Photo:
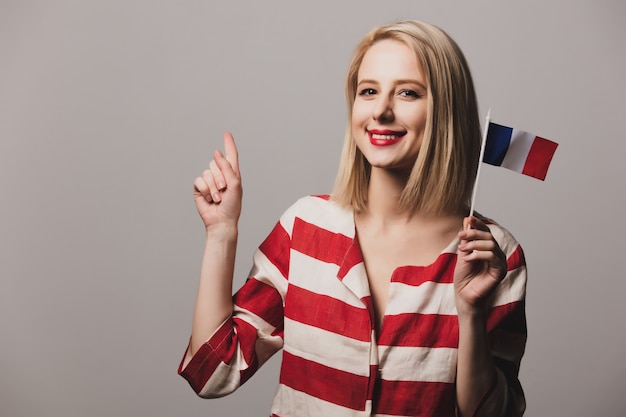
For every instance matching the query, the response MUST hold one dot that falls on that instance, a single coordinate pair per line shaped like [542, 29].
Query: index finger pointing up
[231, 152]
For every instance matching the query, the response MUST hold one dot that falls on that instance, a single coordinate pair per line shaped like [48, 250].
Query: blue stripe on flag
[498, 140]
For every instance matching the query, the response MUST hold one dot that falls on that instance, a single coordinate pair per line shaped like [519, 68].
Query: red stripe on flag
[426, 398]
[318, 243]
[420, 330]
[327, 313]
[261, 299]
[417, 275]
[326, 383]
[276, 248]
[539, 158]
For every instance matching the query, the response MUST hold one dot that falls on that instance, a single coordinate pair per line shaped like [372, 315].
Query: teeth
[385, 137]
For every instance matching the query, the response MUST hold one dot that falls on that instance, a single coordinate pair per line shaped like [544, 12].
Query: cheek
[420, 124]
[413, 116]
[359, 113]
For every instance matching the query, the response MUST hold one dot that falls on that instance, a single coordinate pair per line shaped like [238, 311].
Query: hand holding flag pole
[481, 264]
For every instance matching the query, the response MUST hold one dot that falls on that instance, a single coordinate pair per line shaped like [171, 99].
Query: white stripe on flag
[519, 148]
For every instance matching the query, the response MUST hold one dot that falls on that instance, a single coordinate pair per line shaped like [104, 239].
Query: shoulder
[502, 235]
[319, 210]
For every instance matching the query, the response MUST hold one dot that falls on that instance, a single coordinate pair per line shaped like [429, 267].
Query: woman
[385, 298]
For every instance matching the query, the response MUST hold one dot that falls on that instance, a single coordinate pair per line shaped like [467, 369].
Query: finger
[467, 223]
[214, 192]
[488, 258]
[474, 234]
[478, 245]
[231, 153]
[231, 177]
[218, 176]
[201, 190]
[473, 222]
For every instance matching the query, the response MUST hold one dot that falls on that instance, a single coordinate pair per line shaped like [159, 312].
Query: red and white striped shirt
[308, 294]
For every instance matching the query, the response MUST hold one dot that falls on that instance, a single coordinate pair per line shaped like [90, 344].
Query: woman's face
[389, 112]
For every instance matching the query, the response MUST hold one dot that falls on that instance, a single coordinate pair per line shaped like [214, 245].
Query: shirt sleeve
[253, 333]
[507, 329]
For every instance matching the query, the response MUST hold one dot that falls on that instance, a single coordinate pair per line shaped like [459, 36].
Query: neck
[383, 201]
[383, 195]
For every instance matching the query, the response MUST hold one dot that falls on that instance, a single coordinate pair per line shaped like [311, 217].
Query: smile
[384, 137]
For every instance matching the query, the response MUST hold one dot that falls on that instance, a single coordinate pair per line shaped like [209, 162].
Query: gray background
[110, 108]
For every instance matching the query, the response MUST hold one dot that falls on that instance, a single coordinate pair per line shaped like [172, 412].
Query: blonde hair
[442, 177]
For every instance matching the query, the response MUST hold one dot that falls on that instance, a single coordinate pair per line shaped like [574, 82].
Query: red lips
[385, 137]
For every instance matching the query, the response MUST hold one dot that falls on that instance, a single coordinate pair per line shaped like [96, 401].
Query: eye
[367, 92]
[408, 94]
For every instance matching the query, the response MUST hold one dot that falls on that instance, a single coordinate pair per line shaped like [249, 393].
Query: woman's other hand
[217, 192]
[481, 265]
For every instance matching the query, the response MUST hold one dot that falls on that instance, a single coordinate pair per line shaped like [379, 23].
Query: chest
[338, 293]
[329, 328]
[384, 257]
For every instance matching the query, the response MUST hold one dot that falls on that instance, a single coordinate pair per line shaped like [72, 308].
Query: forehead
[390, 59]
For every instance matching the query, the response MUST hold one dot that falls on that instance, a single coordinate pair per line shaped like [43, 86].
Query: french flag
[518, 150]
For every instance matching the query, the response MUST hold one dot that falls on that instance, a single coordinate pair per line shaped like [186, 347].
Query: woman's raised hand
[481, 265]
[217, 192]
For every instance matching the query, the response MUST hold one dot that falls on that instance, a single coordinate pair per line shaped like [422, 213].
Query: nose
[383, 110]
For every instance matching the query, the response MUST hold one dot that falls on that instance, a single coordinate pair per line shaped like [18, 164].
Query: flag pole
[480, 160]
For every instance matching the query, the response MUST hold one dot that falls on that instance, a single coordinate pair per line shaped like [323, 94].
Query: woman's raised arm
[217, 194]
